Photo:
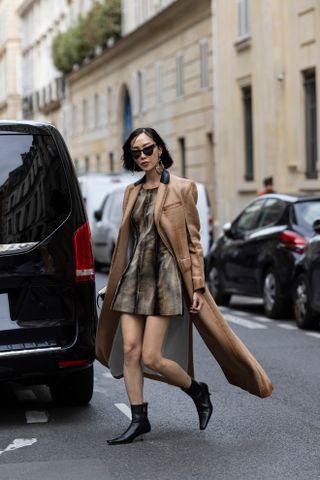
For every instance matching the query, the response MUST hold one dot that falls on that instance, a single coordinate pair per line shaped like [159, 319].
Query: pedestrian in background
[268, 186]
[156, 289]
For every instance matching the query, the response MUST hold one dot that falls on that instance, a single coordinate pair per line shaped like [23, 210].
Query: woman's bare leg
[155, 330]
[132, 327]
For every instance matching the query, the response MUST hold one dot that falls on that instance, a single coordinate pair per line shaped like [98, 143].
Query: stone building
[10, 61]
[158, 74]
[43, 87]
[266, 59]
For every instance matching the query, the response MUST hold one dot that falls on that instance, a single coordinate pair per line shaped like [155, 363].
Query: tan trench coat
[177, 221]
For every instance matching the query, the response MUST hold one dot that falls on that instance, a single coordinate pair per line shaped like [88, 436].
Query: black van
[47, 292]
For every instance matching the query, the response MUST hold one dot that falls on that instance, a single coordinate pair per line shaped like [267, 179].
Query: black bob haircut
[127, 160]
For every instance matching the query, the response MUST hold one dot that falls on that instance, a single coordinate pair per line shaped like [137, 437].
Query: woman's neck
[152, 178]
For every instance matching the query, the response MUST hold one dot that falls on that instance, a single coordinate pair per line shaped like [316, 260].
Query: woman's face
[145, 152]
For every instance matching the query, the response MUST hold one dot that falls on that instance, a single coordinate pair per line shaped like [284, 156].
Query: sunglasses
[148, 151]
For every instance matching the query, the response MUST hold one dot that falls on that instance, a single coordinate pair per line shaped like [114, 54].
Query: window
[159, 81]
[311, 123]
[179, 75]
[272, 212]
[248, 132]
[204, 76]
[86, 164]
[111, 162]
[141, 91]
[96, 110]
[248, 220]
[98, 158]
[84, 114]
[109, 104]
[182, 146]
[243, 19]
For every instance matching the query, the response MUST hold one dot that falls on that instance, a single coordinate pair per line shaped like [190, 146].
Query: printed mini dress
[151, 283]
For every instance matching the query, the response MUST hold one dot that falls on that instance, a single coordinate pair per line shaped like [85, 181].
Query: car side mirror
[316, 225]
[98, 215]
[227, 229]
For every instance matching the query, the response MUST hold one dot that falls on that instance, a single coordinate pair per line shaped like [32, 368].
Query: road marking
[313, 334]
[19, 443]
[25, 395]
[107, 375]
[36, 416]
[124, 409]
[287, 327]
[243, 322]
[240, 313]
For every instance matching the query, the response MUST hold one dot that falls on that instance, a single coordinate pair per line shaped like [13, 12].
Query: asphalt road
[248, 438]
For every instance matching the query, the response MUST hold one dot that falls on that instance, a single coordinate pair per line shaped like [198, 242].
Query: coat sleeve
[193, 233]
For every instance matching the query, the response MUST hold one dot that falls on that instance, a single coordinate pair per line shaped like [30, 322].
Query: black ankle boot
[200, 394]
[139, 425]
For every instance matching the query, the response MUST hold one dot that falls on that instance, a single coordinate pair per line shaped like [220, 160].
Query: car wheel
[215, 287]
[73, 389]
[97, 266]
[274, 305]
[303, 313]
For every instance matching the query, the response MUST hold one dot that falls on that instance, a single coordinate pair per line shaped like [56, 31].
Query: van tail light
[83, 254]
[293, 241]
[72, 363]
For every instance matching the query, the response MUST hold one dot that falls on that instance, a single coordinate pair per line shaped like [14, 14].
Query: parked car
[95, 186]
[105, 230]
[306, 290]
[47, 291]
[108, 219]
[256, 254]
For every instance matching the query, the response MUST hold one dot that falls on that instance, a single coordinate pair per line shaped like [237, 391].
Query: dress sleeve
[193, 232]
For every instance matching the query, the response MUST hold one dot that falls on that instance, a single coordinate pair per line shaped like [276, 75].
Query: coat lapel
[161, 196]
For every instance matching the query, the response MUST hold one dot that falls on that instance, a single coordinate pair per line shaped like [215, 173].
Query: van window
[34, 194]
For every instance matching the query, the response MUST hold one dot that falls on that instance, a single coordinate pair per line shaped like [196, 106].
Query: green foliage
[77, 43]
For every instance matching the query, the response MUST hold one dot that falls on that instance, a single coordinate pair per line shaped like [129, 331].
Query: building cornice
[174, 15]
[25, 6]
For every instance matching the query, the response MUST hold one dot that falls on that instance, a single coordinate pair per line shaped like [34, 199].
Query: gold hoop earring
[160, 167]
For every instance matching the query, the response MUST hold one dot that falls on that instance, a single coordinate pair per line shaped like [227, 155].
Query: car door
[99, 233]
[239, 252]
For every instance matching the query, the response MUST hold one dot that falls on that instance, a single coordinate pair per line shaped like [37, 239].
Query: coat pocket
[172, 205]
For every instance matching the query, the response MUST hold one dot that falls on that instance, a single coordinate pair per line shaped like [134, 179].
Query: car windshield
[34, 194]
[306, 213]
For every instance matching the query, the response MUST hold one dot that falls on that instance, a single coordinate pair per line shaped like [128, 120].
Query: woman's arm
[193, 232]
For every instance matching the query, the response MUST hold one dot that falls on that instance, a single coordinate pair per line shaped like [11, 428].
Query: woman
[156, 290]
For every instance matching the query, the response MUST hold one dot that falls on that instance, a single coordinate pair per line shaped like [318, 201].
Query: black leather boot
[200, 394]
[139, 425]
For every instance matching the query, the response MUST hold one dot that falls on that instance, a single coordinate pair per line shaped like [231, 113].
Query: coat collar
[165, 178]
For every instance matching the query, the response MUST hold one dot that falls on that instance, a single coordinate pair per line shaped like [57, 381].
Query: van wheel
[274, 305]
[303, 312]
[215, 287]
[76, 388]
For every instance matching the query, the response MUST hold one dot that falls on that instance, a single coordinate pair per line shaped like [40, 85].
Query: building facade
[266, 59]
[10, 61]
[43, 87]
[159, 75]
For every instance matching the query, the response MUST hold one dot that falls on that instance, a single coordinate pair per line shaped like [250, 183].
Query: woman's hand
[197, 302]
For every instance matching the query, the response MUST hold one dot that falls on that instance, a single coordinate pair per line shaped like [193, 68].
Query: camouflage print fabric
[151, 284]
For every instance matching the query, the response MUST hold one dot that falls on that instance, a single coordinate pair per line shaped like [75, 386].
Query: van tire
[75, 388]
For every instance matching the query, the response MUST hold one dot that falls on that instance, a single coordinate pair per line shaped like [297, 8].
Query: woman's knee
[152, 360]
[132, 352]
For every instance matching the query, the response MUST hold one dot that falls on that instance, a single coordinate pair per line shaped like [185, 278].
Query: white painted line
[25, 395]
[287, 327]
[124, 409]
[313, 334]
[34, 416]
[261, 319]
[107, 375]
[243, 322]
[19, 443]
